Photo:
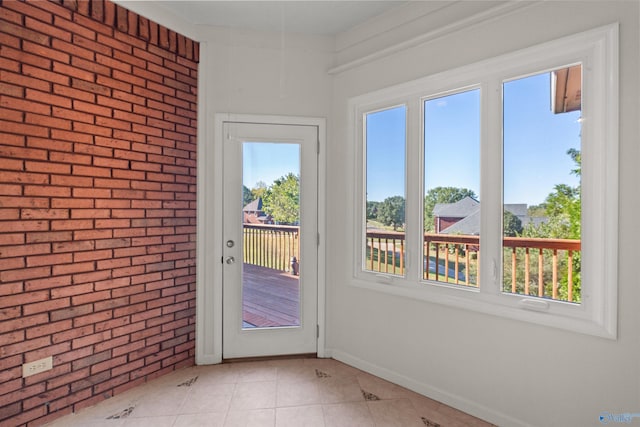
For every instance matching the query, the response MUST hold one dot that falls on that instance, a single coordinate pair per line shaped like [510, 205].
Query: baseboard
[458, 402]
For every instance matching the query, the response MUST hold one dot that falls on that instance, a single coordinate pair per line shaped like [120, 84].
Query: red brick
[24, 105]
[24, 274]
[109, 344]
[66, 291]
[70, 158]
[44, 213]
[91, 66]
[45, 306]
[23, 33]
[129, 97]
[10, 139]
[130, 117]
[128, 367]
[108, 364]
[115, 103]
[90, 213]
[48, 76]
[90, 297]
[13, 337]
[92, 255]
[66, 113]
[59, 134]
[111, 183]
[128, 77]
[78, 267]
[93, 318]
[48, 329]
[99, 168]
[40, 260]
[128, 232]
[49, 236]
[24, 9]
[90, 339]
[86, 86]
[92, 193]
[113, 63]
[128, 290]
[24, 81]
[92, 129]
[80, 170]
[44, 398]
[113, 263]
[72, 203]
[71, 224]
[50, 191]
[11, 264]
[91, 107]
[24, 346]
[145, 296]
[111, 163]
[74, 28]
[89, 381]
[92, 234]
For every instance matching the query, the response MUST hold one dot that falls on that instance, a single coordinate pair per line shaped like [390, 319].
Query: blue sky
[535, 144]
[268, 161]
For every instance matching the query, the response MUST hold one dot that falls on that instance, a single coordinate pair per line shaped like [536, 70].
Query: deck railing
[532, 266]
[271, 246]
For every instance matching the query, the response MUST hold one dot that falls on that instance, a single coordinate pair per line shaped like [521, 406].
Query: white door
[270, 229]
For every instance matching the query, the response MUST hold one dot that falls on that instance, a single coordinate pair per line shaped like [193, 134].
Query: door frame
[209, 247]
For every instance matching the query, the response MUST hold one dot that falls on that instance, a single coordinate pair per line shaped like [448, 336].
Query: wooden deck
[270, 297]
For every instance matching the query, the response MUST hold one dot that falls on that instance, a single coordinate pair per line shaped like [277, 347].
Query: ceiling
[306, 17]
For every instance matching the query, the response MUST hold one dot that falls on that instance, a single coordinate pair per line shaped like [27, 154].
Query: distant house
[463, 216]
[253, 213]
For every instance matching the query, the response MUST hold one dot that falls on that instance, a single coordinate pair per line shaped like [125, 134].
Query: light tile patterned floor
[280, 393]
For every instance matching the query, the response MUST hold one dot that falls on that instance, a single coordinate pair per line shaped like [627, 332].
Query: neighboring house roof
[255, 206]
[459, 209]
[469, 225]
[518, 209]
[468, 209]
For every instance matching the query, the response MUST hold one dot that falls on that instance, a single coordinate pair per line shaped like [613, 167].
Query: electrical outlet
[36, 367]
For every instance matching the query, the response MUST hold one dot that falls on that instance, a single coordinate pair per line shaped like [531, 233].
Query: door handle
[230, 260]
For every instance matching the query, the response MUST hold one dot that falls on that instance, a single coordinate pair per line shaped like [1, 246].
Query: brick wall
[97, 204]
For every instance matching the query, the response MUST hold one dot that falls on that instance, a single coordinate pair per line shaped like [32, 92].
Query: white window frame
[597, 51]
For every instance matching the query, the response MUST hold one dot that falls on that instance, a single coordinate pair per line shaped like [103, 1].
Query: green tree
[537, 210]
[247, 196]
[282, 201]
[511, 224]
[442, 195]
[563, 210]
[391, 211]
[372, 209]
[260, 190]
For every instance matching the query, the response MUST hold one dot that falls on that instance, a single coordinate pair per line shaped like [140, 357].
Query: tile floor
[280, 393]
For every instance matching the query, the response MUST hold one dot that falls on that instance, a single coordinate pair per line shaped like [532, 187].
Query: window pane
[542, 168]
[451, 185]
[385, 144]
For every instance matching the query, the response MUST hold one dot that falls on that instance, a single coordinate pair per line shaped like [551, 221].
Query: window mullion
[491, 188]
[414, 190]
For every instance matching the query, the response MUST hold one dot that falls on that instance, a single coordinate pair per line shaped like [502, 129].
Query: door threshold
[270, 358]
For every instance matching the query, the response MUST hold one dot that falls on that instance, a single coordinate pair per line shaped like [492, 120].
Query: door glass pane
[542, 195]
[271, 235]
[385, 145]
[451, 184]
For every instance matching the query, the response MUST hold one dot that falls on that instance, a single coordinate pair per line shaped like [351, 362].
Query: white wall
[264, 73]
[508, 372]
